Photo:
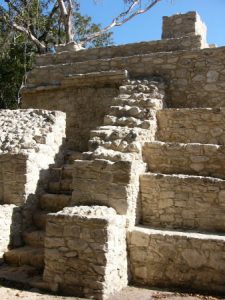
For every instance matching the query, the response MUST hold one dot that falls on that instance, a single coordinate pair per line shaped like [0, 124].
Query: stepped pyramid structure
[113, 171]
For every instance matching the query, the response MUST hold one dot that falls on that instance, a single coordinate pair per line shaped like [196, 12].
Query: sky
[148, 26]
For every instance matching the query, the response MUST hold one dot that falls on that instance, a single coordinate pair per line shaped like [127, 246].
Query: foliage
[17, 50]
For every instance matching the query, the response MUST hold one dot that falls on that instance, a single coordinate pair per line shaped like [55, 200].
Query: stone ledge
[180, 158]
[191, 125]
[165, 45]
[179, 201]
[175, 259]
[101, 78]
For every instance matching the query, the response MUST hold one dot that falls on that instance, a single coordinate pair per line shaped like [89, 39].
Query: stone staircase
[180, 242]
[131, 121]
[27, 262]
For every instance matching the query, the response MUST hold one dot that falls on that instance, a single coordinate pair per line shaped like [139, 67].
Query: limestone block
[200, 125]
[183, 25]
[30, 140]
[85, 251]
[115, 184]
[184, 202]
[192, 159]
[177, 259]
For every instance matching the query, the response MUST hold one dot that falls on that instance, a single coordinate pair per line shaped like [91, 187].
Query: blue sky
[148, 26]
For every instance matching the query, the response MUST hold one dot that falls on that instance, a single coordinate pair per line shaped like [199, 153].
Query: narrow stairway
[26, 264]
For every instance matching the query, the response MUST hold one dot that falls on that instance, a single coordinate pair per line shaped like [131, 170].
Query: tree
[38, 19]
[36, 26]
[18, 50]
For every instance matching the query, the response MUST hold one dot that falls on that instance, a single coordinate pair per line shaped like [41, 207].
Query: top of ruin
[187, 24]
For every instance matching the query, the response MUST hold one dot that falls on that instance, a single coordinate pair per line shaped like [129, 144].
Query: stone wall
[30, 140]
[181, 25]
[204, 126]
[85, 109]
[179, 201]
[192, 261]
[83, 255]
[10, 227]
[167, 45]
[192, 159]
[194, 78]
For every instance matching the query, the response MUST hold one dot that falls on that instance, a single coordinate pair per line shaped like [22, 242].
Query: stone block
[190, 159]
[174, 259]
[181, 25]
[90, 260]
[183, 202]
[197, 125]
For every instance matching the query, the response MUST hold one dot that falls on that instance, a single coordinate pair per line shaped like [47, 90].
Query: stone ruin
[113, 171]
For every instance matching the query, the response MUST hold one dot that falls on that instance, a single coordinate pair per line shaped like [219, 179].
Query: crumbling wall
[30, 140]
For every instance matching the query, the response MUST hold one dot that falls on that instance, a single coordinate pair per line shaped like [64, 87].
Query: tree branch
[67, 18]
[117, 22]
[49, 21]
[41, 47]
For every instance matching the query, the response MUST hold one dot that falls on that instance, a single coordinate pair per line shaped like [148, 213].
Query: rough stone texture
[192, 159]
[195, 78]
[111, 97]
[172, 258]
[13, 178]
[109, 183]
[179, 201]
[184, 25]
[114, 163]
[85, 109]
[200, 125]
[83, 255]
[182, 43]
[30, 140]
[10, 227]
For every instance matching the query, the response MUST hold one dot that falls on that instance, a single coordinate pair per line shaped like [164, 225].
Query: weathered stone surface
[10, 227]
[183, 202]
[112, 97]
[197, 125]
[114, 162]
[30, 140]
[192, 159]
[92, 257]
[182, 43]
[188, 24]
[177, 259]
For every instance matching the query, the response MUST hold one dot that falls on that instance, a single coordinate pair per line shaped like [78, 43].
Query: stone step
[64, 172]
[140, 100]
[150, 87]
[183, 202]
[54, 202]
[63, 186]
[121, 139]
[132, 111]
[25, 275]
[191, 159]
[25, 256]
[128, 122]
[35, 238]
[39, 218]
[173, 259]
[196, 125]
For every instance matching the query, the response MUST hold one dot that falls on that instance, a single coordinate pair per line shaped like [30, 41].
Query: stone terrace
[133, 182]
